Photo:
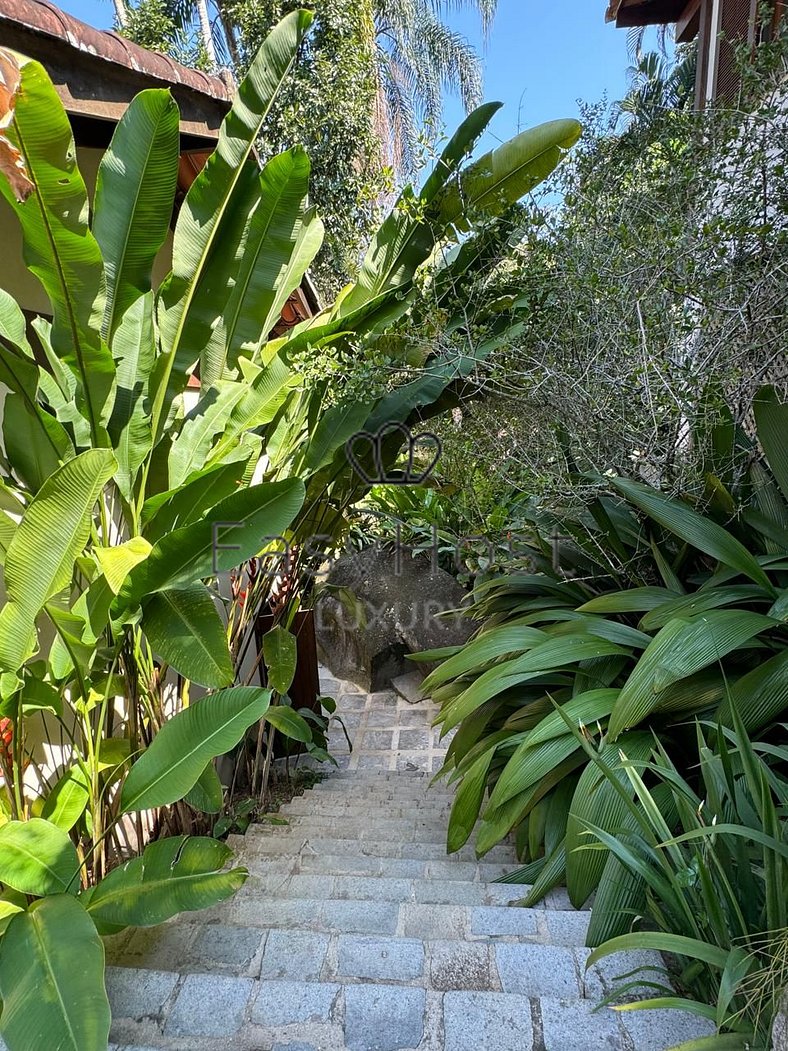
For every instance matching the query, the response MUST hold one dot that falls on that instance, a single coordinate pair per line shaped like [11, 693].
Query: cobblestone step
[311, 807]
[308, 955]
[379, 888]
[232, 1013]
[356, 932]
[290, 842]
[410, 919]
[411, 829]
[443, 869]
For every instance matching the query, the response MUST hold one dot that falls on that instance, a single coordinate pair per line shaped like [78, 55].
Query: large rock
[780, 1031]
[381, 605]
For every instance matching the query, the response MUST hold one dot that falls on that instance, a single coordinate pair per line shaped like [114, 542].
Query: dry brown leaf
[12, 166]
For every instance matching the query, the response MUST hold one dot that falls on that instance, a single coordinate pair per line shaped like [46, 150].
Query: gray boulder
[378, 605]
[780, 1031]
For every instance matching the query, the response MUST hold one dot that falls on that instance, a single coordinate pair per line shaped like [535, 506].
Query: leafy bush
[715, 895]
[702, 610]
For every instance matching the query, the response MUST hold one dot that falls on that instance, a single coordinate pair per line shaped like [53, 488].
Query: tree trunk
[205, 33]
[121, 14]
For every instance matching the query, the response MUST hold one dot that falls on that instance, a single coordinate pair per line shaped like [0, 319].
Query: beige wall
[16, 279]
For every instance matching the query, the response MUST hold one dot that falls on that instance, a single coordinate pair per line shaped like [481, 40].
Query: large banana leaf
[35, 441]
[179, 507]
[504, 175]
[52, 979]
[280, 652]
[694, 528]
[129, 426]
[274, 251]
[135, 193]
[206, 420]
[37, 858]
[264, 394]
[407, 236]
[680, 649]
[58, 245]
[234, 530]
[178, 874]
[185, 744]
[210, 203]
[41, 556]
[184, 628]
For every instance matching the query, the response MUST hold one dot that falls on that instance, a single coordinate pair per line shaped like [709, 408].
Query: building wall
[16, 279]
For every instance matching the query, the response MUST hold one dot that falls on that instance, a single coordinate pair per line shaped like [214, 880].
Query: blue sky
[540, 58]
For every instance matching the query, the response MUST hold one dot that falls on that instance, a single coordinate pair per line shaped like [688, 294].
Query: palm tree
[419, 59]
[659, 84]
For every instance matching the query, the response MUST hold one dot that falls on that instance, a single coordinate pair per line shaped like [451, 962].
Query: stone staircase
[355, 931]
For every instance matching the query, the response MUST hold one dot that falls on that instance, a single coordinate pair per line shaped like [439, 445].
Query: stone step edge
[291, 846]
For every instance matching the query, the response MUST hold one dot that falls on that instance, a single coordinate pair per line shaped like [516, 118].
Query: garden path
[355, 931]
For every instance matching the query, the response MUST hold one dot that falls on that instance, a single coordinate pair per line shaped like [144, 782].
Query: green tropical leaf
[468, 802]
[596, 802]
[632, 600]
[210, 202]
[505, 641]
[58, 245]
[186, 743]
[190, 450]
[265, 392]
[693, 528]
[35, 442]
[117, 562]
[40, 558]
[760, 696]
[692, 948]
[619, 899]
[771, 419]
[277, 245]
[283, 718]
[549, 656]
[129, 426]
[680, 649]
[66, 803]
[407, 237]
[175, 508]
[585, 709]
[504, 175]
[37, 858]
[280, 652]
[207, 795]
[179, 874]
[184, 628]
[700, 601]
[234, 530]
[52, 979]
[135, 193]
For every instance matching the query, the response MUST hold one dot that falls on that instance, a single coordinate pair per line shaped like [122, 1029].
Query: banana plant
[698, 628]
[121, 504]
